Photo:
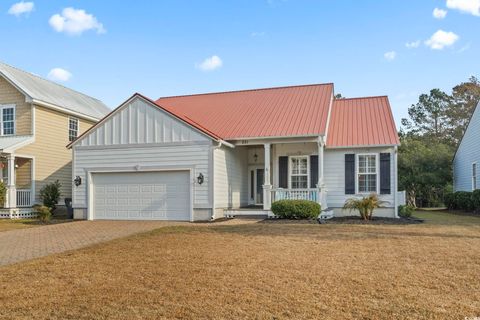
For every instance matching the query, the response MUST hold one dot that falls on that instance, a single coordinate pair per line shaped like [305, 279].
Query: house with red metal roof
[206, 156]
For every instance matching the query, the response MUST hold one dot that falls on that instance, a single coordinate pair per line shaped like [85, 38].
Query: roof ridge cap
[359, 98]
[248, 90]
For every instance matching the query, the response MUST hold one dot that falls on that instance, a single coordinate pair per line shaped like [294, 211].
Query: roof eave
[62, 109]
[364, 146]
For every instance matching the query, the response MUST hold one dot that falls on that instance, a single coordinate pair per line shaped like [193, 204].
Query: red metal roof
[272, 112]
[361, 122]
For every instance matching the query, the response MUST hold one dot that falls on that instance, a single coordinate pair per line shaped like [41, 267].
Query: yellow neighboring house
[38, 118]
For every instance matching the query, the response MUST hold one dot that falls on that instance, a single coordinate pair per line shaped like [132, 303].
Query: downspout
[395, 189]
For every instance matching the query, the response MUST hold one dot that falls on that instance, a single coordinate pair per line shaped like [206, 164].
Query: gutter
[225, 143]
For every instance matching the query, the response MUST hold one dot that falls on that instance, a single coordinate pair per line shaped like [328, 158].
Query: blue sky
[159, 48]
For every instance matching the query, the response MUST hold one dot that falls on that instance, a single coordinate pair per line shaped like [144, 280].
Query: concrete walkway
[25, 244]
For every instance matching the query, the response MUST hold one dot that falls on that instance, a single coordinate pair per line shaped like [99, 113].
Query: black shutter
[350, 174]
[283, 172]
[313, 171]
[385, 173]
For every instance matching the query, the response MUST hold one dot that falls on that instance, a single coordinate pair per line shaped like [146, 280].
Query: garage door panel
[142, 195]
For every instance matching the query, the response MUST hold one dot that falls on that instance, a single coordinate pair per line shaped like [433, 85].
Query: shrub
[3, 193]
[50, 193]
[365, 205]
[296, 209]
[449, 200]
[463, 200]
[44, 213]
[475, 200]
[406, 211]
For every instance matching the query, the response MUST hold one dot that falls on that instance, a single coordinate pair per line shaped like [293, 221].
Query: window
[7, 125]
[474, 176]
[367, 173]
[299, 172]
[72, 129]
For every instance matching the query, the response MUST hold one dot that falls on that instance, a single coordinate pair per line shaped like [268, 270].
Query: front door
[256, 178]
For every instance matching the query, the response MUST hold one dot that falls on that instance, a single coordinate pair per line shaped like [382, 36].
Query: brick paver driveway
[25, 244]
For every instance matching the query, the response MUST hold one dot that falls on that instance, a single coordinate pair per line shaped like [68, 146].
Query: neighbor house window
[299, 172]
[8, 120]
[72, 129]
[367, 173]
[474, 176]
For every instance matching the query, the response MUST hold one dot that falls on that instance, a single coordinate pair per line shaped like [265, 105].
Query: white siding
[139, 136]
[468, 153]
[168, 157]
[138, 122]
[231, 177]
[334, 171]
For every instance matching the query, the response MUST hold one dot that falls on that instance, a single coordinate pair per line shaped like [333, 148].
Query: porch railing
[401, 198]
[24, 198]
[295, 194]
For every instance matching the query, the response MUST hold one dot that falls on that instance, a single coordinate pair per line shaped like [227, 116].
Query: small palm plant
[364, 205]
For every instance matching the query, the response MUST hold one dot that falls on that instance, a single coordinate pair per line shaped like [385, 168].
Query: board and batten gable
[467, 154]
[139, 136]
[139, 122]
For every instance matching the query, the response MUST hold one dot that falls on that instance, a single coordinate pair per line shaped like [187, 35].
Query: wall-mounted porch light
[200, 178]
[77, 181]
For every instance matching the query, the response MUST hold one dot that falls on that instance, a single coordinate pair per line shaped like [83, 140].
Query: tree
[424, 169]
[465, 98]
[429, 116]
[50, 193]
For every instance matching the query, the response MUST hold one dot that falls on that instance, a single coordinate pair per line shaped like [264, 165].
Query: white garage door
[141, 195]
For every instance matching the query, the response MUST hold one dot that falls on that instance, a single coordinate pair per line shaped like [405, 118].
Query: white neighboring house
[204, 156]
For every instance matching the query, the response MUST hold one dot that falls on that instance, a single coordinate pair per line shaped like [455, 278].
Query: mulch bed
[352, 220]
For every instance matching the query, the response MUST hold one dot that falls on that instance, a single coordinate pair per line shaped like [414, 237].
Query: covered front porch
[17, 174]
[278, 169]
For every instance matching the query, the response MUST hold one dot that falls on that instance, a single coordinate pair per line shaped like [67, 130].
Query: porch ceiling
[9, 144]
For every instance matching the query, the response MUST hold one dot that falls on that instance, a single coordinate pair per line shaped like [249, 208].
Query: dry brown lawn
[258, 271]
[9, 224]
[14, 224]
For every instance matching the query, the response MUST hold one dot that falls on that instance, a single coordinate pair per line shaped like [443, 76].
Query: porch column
[267, 186]
[322, 192]
[11, 201]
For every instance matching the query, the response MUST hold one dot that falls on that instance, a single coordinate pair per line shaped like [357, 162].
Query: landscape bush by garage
[50, 193]
[44, 213]
[296, 209]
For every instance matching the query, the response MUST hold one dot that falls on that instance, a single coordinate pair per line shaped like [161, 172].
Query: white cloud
[466, 6]
[210, 64]
[464, 48]
[258, 34]
[390, 55]
[20, 8]
[439, 13]
[441, 39]
[413, 44]
[75, 21]
[59, 74]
